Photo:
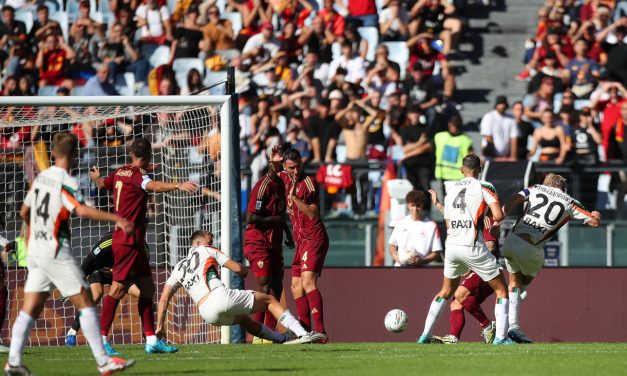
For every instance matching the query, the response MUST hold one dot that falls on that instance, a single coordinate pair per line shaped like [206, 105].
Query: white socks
[151, 340]
[91, 330]
[269, 334]
[500, 313]
[514, 308]
[290, 322]
[71, 332]
[21, 330]
[435, 310]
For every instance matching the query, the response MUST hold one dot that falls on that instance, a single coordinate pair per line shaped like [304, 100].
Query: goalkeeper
[97, 269]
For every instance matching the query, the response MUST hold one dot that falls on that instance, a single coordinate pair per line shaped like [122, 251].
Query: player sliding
[263, 237]
[547, 208]
[218, 305]
[312, 241]
[47, 208]
[96, 267]
[472, 291]
[130, 262]
[464, 206]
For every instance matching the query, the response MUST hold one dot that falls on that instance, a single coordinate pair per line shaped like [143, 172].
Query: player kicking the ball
[219, 305]
[130, 262]
[547, 208]
[47, 208]
[464, 207]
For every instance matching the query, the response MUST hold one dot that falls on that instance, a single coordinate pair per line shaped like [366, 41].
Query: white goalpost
[192, 140]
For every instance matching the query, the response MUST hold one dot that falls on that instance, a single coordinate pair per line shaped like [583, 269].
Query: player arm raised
[436, 202]
[311, 211]
[161, 186]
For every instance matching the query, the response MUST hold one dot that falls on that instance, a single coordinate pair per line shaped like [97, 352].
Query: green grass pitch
[349, 359]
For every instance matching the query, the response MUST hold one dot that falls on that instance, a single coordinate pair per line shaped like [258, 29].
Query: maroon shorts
[309, 256]
[477, 287]
[130, 263]
[264, 261]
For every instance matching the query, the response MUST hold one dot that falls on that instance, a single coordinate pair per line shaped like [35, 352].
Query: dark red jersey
[305, 229]
[267, 199]
[130, 200]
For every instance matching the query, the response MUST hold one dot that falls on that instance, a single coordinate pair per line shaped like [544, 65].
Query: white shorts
[459, 259]
[522, 256]
[44, 274]
[224, 304]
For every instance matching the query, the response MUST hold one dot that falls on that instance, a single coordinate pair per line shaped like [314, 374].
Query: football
[396, 321]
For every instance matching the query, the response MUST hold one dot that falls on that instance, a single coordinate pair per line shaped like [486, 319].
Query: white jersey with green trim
[198, 273]
[52, 199]
[546, 210]
[464, 206]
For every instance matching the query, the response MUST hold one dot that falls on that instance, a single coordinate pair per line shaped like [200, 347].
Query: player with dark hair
[547, 207]
[47, 208]
[263, 238]
[464, 208]
[97, 269]
[312, 241]
[130, 185]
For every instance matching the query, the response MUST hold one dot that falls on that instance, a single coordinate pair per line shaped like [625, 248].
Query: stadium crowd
[343, 81]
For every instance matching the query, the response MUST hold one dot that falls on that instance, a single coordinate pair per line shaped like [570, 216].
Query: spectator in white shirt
[500, 133]
[394, 22]
[354, 64]
[154, 22]
[415, 240]
[261, 47]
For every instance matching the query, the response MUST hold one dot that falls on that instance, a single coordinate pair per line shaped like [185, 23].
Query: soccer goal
[192, 140]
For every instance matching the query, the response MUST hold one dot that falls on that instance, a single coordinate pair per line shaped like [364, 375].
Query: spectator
[254, 13]
[188, 35]
[10, 87]
[382, 78]
[118, 52]
[168, 86]
[435, 17]
[154, 23]
[586, 139]
[20, 60]
[424, 57]
[52, 59]
[550, 139]
[608, 99]
[451, 146]
[218, 34]
[126, 18]
[416, 136]
[359, 44]
[289, 43]
[299, 143]
[355, 132]
[42, 26]
[550, 70]
[83, 20]
[381, 57]
[320, 70]
[354, 65]
[581, 72]
[499, 132]
[415, 240]
[362, 12]
[11, 31]
[525, 130]
[616, 50]
[194, 82]
[334, 22]
[99, 84]
[394, 22]
[263, 46]
[318, 39]
[294, 11]
[540, 100]
[323, 131]
[85, 46]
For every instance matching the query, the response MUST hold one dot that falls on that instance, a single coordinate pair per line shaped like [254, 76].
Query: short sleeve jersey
[305, 228]
[546, 210]
[52, 199]
[198, 273]
[267, 199]
[464, 207]
[130, 200]
[420, 237]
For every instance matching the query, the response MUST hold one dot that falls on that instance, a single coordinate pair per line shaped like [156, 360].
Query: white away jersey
[546, 210]
[52, 199]
[415, 237]
[464, 206]
[199, 272]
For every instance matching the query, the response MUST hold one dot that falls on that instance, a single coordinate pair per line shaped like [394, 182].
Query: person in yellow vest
[450, 148]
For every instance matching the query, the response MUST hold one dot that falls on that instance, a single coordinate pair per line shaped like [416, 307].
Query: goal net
[187, 134]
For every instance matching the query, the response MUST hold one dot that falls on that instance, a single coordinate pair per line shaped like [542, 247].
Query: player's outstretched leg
[70, 337]
[518, 283]
[33, 304]
[436, 308]
[302, 303]
[457, 321]
[472, 304]
[275, 308]
[107, 313]
[145, 308]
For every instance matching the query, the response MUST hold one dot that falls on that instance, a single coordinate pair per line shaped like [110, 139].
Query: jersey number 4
[42, 207]
[460, 201]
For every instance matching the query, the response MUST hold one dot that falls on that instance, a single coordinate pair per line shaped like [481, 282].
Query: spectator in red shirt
[422, 54]
[332, 19]
[362, 12]
[51, 61]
